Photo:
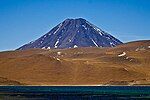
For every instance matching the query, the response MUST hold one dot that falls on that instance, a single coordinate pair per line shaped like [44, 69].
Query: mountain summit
[73, 33]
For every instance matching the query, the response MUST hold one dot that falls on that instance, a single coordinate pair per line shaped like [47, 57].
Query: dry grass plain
[127, 64]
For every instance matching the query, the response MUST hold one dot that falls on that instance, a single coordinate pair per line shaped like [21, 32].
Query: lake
[74, 92]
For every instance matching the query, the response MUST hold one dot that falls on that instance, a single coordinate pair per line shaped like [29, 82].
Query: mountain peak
[80, 19]
[70, 19]
[73, 33]
[77, 20]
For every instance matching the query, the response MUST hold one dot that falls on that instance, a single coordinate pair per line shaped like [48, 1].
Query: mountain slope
[125, 64]
[73, 33]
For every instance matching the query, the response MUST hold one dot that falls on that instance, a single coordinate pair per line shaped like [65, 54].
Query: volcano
[73, 33]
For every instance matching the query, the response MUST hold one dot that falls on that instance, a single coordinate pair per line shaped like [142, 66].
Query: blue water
[74, 92]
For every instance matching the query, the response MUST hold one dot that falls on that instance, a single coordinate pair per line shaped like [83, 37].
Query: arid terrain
[126, 64]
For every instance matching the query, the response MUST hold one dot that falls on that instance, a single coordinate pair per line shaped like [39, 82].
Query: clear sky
[22, 21]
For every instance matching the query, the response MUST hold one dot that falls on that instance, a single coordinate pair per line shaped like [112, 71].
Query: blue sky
[22, 21]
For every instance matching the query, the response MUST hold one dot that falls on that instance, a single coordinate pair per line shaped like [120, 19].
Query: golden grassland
[88, 66]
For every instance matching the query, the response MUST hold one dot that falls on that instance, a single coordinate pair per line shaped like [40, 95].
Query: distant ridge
[73, 33]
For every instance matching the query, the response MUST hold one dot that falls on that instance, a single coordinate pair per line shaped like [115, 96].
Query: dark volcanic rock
[73, 33]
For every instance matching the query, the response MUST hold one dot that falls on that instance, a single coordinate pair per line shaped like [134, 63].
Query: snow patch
[137, 49]
[58, 28]
[77, 25]
[123, 54]
[58, 53]
[75, 46]
[48, 47]
[126, 69]
[95, 28]
[131, 59]
[112, 44]
[58, 59]
[69, 40]
[43, 48]
[84, 27]
[100, 33]
[98, 30]
[79, 53]
[108, 38]
[55, 46]
[127, 57]
[140, 48]
[94, 42]
[31, 42]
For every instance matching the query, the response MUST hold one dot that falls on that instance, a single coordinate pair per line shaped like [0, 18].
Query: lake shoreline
[76, 85]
